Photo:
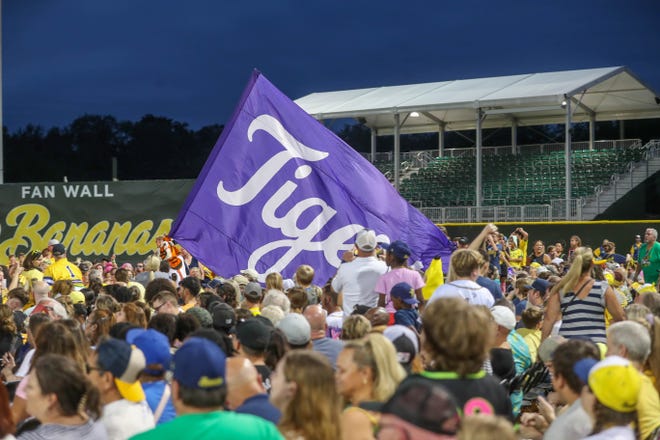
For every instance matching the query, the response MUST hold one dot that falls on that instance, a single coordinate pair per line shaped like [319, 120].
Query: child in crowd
[304, 278]
[403, 300]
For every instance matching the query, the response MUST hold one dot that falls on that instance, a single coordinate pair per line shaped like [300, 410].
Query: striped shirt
[585, 318]
[90, 430]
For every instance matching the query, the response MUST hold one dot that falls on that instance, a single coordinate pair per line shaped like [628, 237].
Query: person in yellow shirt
[189, 288]
[515, 255]
[63, 269]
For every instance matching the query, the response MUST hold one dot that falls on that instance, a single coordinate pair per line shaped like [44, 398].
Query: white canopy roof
[611, 93]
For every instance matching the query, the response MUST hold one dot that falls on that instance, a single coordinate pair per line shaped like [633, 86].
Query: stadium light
[414, 115]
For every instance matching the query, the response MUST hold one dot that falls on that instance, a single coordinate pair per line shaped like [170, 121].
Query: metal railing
[422, 157]
[556, 210]
[622, 180]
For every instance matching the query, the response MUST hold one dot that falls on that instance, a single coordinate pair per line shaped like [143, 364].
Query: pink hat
[108, 268]
[127, 266]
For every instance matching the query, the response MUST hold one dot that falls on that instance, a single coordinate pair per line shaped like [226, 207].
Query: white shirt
[357, 281]
[472, 292]
[615, 433]
[123, 419]
[24, 369]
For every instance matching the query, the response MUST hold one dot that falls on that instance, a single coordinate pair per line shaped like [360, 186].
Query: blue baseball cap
[399, 249]
[200, 364]
[541, 285]
[404, 292]
[156, 349]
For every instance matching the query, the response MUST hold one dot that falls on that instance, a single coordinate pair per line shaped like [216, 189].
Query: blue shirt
[408, 318]
[260, 406]
[492, 286]
[154, 391]
[329, 348]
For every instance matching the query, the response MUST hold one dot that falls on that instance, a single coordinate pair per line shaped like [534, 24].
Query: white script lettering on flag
[288, 224]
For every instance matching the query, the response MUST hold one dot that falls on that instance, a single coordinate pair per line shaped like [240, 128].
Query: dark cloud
[190, 60]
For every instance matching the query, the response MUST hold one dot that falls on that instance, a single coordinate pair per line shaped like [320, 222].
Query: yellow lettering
[29, 219]
[118, 236]
[75, 236]
[95, 240]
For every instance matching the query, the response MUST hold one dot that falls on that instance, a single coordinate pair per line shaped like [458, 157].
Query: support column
[567, 158]
[592, 131]
[514, 136]
[479, 192]
[622, 130]
[374, 135]
[441, 140]
[397, 150]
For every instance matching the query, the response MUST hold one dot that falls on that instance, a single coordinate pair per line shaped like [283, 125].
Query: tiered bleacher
[515, 179]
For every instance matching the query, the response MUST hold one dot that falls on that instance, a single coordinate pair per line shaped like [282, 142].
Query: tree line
[157, 147]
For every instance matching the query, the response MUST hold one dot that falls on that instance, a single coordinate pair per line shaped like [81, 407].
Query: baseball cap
[250, 274]
[405, 342]
[424, 404]
[504, 317]
[200, 364]
[125, 363]
[58, 249]
[241, 280]
[557, 261]
[399, 249]
[156, 349]
[541, 285]
[253, 291]
[296, 329]
[614, 381]
[366, 240]
[54, 241]
[77, 297]
[215, 283]
[224, 317]
[201, 315]
[404, 292]
[253, 333]
[548, 347]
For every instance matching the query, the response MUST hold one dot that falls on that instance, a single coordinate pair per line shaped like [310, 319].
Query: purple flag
[280, 190]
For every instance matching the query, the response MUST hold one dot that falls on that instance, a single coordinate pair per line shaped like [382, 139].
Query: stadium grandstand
[540, 182]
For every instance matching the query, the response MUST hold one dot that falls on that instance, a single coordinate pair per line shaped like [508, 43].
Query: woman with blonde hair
[580, 302]
[367, 371]
[303, 389]
[274, 281]
[355, 327]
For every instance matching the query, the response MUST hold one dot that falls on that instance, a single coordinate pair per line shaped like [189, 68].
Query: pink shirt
[394, 277]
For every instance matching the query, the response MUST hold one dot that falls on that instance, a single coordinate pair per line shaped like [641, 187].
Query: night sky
[189, 61]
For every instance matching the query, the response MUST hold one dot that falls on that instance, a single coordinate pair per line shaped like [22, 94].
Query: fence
[554, 211]
[423, 157]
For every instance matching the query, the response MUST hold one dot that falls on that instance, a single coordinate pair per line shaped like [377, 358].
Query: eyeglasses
[157, 308]
[89, 369]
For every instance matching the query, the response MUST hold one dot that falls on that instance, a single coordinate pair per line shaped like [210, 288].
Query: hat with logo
[614, 381]
[405, 342]
[125, 363]
[366, 240]
[504, 317]
[156, 349]
[404, 292]
[253, 291]
[296, 329]
[253, 333]
[399, 249]
[58, 249]
[250, 274]
[424, 404]
[224, 317]
[200, 364]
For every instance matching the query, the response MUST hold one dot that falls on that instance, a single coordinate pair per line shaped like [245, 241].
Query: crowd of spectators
[556, 342]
